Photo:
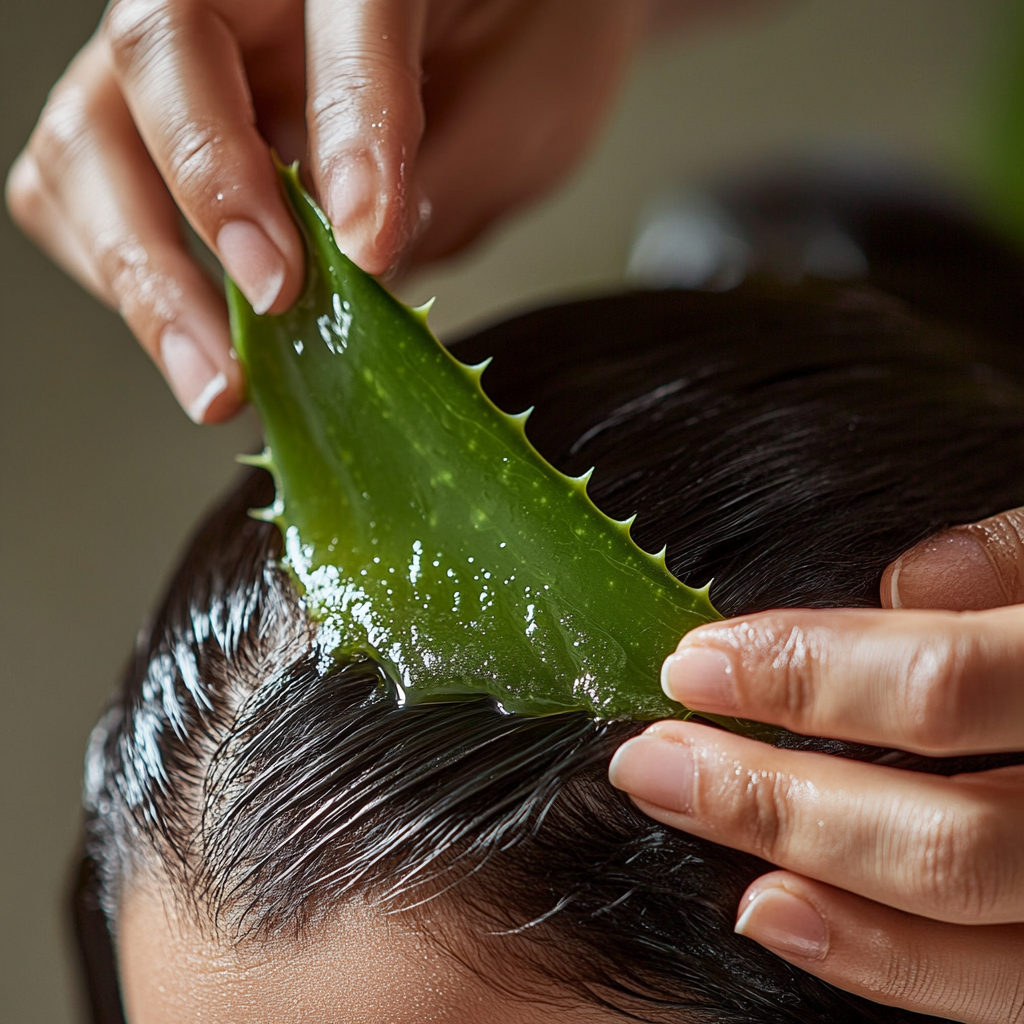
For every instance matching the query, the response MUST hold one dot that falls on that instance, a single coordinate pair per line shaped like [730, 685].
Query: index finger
[935, 683]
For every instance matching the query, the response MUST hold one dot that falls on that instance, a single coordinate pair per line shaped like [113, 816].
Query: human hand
[469, 108]
[903, 887]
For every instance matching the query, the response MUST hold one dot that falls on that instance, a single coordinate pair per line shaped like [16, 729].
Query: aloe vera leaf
[422, 527]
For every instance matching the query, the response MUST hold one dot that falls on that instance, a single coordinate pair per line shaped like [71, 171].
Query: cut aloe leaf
[422, 527]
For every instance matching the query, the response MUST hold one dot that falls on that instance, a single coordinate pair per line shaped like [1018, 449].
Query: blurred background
[102, 477]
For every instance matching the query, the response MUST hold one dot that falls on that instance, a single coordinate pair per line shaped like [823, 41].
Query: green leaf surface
[422, 527]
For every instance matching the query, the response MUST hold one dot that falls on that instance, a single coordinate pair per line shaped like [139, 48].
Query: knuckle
[357, 91]
[917, 973]
[133, 29]
[342, 101]
[1002, 537]
[953, 869]
[61, 130]
[793, 674]
[191, 149]
[762, 811]
[937, 697]
[904, 976]
[24, 193]
[143, 292]
[369, 65]
[913, 975]
[195, 152]
[1014, 523]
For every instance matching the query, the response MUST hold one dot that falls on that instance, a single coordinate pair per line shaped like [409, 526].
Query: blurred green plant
[1001, 135]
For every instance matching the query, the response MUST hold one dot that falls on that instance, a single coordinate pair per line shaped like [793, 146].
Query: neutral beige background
[101, 476]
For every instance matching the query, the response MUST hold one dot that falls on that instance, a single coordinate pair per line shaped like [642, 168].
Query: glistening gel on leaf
[422, 527]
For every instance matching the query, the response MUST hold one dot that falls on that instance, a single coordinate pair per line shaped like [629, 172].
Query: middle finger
[951, 849]
[180, 69]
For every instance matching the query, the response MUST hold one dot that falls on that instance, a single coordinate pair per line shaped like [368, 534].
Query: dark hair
[788, 442]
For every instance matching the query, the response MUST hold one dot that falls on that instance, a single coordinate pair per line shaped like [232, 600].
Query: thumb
[365, 117]
[966, 568]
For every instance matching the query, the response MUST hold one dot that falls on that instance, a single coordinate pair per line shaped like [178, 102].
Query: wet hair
[787, 441]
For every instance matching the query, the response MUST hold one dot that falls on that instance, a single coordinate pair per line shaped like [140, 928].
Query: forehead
[360, 967]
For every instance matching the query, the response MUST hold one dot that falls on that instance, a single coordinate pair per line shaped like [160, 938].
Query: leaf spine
[422, 311]
[476, 370]
[261, 460]
[583, 479]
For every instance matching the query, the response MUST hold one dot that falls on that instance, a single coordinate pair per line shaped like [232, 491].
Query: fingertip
[951, 571]
[214, 388]
[372, 215]
[192, 377]
[775, 914]
[655, 770]
[21, 187]
[889, 587]
[702, 678]
[222, 404]
[355, 204]
[769, 880]
[619, 759]
[206, 391]
[705, 632]
[253, 262]
[351, 195]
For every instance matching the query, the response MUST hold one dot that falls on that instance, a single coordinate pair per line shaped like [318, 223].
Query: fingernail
[420, 213]
[950, 571]
[195, 382]
[655, 770]
[252, 261]
[785, 923]
[352, 198]
[702, 678]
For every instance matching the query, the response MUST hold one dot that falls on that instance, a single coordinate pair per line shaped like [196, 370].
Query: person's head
[276, 844]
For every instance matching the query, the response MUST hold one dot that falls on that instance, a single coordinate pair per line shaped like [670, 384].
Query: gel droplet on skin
[422, 527]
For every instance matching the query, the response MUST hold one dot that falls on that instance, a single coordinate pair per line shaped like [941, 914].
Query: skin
[175, 105]
[905, 888]
[424, 123]
[419, 122]
[358, 967]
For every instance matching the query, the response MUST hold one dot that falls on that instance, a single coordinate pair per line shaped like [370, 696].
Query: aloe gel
[421, 526]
